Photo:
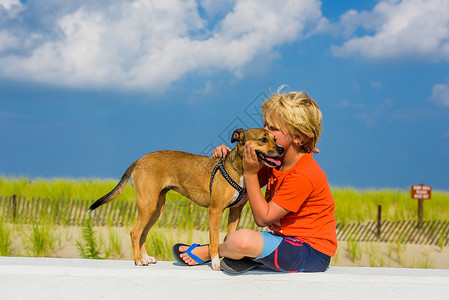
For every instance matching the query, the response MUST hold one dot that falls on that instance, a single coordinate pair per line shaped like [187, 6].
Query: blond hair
[295, 114]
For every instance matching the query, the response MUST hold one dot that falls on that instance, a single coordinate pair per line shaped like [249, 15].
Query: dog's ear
[238, 135]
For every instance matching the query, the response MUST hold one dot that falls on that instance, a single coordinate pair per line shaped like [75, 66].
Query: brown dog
[190, 175]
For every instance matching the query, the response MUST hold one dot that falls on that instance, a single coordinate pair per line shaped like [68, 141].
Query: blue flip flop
[177, 254]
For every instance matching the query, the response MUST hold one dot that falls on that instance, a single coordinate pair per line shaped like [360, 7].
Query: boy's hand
[220, 151]
[251, 164]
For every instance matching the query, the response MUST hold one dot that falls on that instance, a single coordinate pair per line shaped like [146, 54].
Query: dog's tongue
[274, 160]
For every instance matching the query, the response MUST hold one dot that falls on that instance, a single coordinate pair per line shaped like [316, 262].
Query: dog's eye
[264, 140]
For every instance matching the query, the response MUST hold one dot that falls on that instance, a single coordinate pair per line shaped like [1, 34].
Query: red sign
[421, 191]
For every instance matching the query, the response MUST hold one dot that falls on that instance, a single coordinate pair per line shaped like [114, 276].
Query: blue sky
[87, 87]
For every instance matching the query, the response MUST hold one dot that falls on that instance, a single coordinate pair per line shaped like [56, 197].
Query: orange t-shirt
[303, 190]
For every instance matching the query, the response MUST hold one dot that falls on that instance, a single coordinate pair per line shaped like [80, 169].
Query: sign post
[421, 192]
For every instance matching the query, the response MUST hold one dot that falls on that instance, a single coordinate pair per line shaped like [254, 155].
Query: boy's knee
[240, 241]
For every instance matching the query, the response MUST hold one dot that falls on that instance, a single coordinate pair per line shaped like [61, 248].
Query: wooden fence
[180, 213]
[185, 214]
[416, 232]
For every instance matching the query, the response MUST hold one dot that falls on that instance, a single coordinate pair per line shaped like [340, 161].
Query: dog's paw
[146, 260]
[216, 263]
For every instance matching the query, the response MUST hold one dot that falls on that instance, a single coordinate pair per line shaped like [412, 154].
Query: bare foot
[201, 251]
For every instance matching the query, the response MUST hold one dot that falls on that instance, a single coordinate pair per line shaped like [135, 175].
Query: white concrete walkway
[56, 278]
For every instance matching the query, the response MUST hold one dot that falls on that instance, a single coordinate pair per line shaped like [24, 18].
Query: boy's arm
[264, 213]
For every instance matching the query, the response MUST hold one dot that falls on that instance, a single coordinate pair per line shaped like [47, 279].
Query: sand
[361, 254]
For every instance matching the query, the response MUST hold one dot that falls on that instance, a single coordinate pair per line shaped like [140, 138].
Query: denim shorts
[289, 254]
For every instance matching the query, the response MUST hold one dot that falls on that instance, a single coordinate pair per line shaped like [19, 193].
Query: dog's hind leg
[147, 200]
[153, 219]
[234, 218]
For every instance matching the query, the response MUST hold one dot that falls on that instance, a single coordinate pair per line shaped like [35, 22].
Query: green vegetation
[5, 240]
[375, 257]
[38, 223]
[354, 250]
[115, 244]
[61, 188]
[41, 241]
[352, 205]
[88, 249]
[159, 244]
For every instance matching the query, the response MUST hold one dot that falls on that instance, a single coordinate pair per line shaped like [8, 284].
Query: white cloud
[148, 44]
[11, 8]
[9, 4]
[440, 94]
[397, 29]
[8, 41]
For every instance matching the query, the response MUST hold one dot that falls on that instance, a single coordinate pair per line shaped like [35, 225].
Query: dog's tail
[117, 191]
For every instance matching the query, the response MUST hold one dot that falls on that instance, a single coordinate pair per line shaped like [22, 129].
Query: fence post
[420, 212]
[379, 220]
[14, 207]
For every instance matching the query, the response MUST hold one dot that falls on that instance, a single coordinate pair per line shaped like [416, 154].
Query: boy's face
[283, 139]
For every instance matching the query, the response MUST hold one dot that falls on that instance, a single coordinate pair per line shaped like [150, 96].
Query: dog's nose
[279, 149]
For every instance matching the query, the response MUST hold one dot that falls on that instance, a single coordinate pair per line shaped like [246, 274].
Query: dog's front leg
[214, 236]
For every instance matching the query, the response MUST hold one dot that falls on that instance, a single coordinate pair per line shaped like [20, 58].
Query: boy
[298, 206]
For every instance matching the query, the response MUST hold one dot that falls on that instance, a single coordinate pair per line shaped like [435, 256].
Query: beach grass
[115, 244]
[5, 239]
[61, 188]
[41, 241]
[351, 205]
[357, 205]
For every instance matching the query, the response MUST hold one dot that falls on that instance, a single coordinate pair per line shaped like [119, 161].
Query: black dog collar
[241, 190]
